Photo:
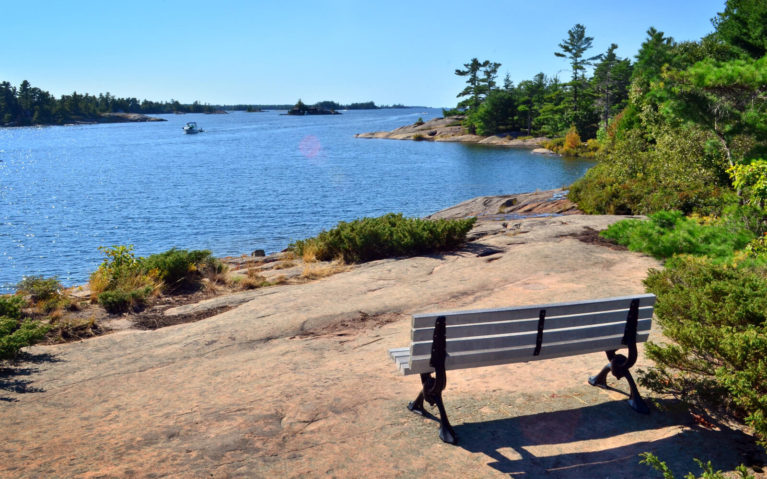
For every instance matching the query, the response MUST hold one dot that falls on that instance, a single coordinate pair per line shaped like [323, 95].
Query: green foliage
[610, 84]
[675, 169]
[181, 269]
[480, 82]
[120, 301]
[39, 288]
[124, 282]
[495, 115]
[15, 332]
[743, 25]
[667, 233]
[752, 176]
[11, 306]
[121, 282]
[715, 314]
[391, 235]
[707, 468]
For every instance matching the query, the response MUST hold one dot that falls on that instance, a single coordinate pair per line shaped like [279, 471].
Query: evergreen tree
[481, 80]
[743, 25]
[610, 82]
[574, 49]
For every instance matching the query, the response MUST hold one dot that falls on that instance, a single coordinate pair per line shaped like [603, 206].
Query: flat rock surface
[295, 381]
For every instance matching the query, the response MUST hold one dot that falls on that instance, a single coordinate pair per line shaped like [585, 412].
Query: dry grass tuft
[317, 270]
[284, 265]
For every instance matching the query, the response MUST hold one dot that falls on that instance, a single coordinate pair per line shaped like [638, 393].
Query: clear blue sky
[260, 52]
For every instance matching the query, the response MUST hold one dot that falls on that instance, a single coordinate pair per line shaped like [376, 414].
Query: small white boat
[191, 128]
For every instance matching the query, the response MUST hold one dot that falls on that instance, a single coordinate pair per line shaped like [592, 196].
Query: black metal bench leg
[619, 366]
[601, 378]
[431, 394]
[635, 400]
[446, 432]
[417, 405]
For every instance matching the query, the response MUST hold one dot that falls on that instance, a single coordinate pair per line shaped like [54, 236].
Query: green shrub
[634, 175]
[419, 137]
[452, 112]
[181, 269]
[707, 468]
[16, 333]
[45, 293]
[120, 301]
[39, 288]
[669, 232]
[555, 144]
[122, 282]
[387, 236]
[419, 121]
[11, 306]
[716, 317]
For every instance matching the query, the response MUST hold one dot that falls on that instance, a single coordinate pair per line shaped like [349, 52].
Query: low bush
[387, 236]
[669, 232]
[45, 294]
[715, 314]
[120, 301]
[707, 469]
[15, 331]
[419, 137]
[39, 288]
[572, 144]
[181, 269]
[554, 144]
[121, 282]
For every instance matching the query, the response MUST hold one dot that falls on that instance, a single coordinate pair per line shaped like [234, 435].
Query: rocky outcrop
[450, 129]
[505, 207]
[543, 151]
[126, 118]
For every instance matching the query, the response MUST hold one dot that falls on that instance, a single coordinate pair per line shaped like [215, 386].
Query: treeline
[544, 105]
[28, 105]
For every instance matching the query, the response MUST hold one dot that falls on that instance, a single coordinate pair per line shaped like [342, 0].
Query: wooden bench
[469, 339]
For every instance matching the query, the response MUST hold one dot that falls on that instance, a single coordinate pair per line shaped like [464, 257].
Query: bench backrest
[498, 336]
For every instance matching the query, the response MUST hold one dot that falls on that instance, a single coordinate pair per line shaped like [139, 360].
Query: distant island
[301, 108]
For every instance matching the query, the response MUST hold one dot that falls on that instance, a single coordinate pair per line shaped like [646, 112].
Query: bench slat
[622, 303]
[528, 325]
[529, 338]
[420, 364]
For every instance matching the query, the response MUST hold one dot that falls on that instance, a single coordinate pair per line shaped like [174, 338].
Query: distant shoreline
[101, 119]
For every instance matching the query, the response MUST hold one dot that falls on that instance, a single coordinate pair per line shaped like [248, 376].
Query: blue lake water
[250, 181]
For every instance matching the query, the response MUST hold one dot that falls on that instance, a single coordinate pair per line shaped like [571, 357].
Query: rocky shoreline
[121, 118]
[450, 129]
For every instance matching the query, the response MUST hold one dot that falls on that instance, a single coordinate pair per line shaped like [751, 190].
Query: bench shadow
[15, 376]
[595, 441]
